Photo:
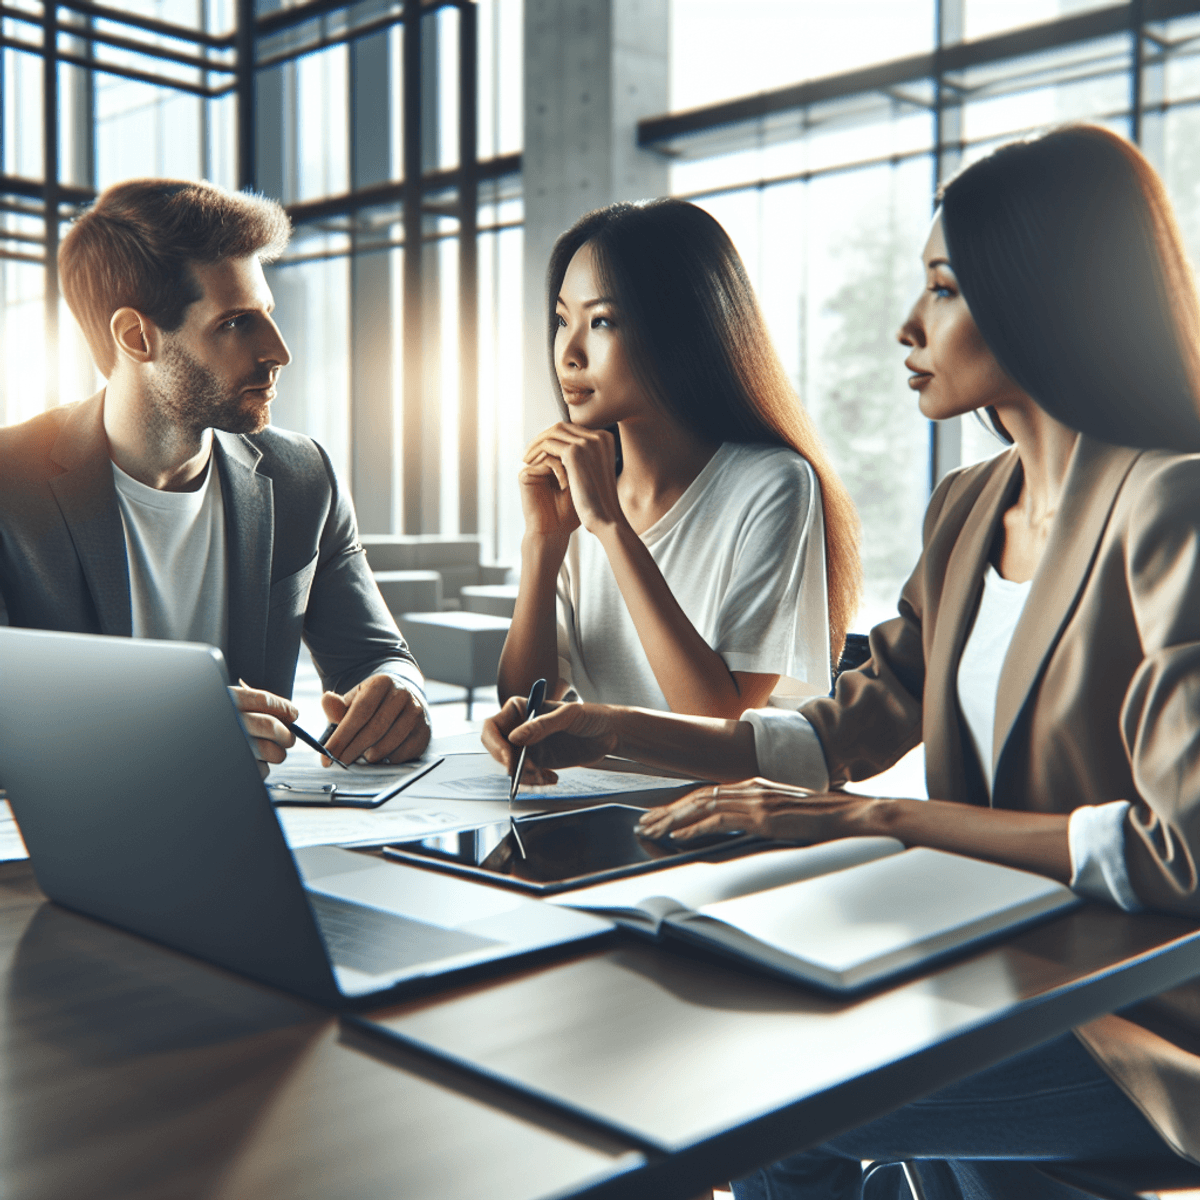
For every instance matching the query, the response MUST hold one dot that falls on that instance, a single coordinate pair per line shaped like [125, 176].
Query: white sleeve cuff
[787, 748]
[1096, 837]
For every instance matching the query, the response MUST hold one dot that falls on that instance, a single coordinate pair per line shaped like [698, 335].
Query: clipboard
[330, 795]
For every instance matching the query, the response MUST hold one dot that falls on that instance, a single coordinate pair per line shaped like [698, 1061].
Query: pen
[537, 694]
[309, 740]
[306, 738]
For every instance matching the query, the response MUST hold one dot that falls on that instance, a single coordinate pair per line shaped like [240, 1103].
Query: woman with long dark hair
[687, 545]
[1046, 651]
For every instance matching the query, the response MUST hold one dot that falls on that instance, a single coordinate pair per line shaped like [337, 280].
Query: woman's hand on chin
[758, 806]
[584, 461]
[565, 735]
[546, 501]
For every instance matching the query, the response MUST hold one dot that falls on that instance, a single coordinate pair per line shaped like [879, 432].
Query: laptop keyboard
[378, 943]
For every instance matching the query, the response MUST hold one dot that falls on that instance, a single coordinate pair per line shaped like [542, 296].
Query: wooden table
[711, 1070]
[128, 1071]
[131, 1071]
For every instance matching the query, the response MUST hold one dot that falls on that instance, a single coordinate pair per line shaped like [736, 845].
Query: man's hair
[133, 248]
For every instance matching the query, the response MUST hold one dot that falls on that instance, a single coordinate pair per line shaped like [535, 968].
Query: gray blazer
[295, 566]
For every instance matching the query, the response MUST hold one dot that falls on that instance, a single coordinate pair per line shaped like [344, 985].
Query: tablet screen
[562, 850]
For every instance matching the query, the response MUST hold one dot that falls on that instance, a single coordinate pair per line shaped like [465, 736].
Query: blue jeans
[969, 1140]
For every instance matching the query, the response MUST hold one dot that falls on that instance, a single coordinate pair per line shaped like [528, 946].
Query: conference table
[615, 1069]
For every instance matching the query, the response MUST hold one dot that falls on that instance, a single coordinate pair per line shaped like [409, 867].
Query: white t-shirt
[175, 544]
[743, 552]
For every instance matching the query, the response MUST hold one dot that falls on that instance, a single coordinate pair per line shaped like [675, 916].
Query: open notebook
[843, 915]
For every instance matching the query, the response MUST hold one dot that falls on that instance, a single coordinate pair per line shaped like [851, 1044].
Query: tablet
[562, 850]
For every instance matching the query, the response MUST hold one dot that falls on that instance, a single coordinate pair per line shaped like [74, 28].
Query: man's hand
[379, 720]
[263, 715]
[566, 735]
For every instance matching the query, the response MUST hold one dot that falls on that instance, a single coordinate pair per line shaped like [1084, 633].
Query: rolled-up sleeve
[787, 748]
[1096, 837]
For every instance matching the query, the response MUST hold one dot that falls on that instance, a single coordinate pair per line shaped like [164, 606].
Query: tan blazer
[1099, 700]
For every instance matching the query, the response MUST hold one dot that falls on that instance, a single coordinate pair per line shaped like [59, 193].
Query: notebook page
[699, 883]
[922, 900]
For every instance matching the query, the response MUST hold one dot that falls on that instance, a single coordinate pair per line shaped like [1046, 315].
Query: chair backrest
[855, 652]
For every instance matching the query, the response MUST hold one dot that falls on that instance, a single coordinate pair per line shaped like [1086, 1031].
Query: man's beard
[186, 395]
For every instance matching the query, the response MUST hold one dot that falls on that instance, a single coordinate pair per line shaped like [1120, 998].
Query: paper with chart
[480, 777]
[365, 826]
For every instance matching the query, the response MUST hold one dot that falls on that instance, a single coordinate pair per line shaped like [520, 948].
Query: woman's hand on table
[565, 735]
[766, 809]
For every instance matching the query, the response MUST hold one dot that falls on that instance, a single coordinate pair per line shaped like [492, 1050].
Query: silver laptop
[140, 802]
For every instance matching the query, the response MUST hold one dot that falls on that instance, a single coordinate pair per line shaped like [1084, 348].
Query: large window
[382, 126]
[825, 179]
[392, 131]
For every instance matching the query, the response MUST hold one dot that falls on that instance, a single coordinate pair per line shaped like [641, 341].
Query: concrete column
[592, 69]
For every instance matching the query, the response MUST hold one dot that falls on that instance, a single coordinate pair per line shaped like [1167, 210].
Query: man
[167, 507]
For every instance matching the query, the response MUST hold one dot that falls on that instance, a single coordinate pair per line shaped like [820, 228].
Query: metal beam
[35, 189]
[945, 437]
[326, 40]
[412, 421]
[468, 270]
[183, 33]
[372, 323]
[1137, 52]
[50, 172]
[163, 81]
[85, 31]
[300, 14]
[394, 193]
[382, 247]
[247, 165]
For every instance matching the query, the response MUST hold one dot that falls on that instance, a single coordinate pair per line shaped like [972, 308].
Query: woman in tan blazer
[1046, 651]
